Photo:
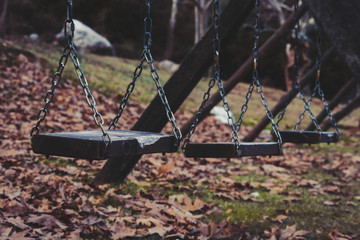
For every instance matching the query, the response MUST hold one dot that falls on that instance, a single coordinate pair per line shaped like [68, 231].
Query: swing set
[104, 144]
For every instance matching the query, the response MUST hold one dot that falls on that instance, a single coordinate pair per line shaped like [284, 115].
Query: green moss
[251, 177]
[57, 161]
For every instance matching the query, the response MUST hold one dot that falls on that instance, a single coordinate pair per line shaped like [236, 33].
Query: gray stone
[168, 65]
[34, 37]
[88, 41]
[220, 114]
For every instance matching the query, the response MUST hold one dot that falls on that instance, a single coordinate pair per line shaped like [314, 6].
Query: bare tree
[200, 14]
[3, 17]
[171, 28]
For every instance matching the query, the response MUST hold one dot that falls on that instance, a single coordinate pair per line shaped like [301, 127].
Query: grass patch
[251, 177]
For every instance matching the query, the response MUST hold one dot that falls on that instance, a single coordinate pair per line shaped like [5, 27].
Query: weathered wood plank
[228, 149]
[89, 144]
[310, 137]
[179, 86]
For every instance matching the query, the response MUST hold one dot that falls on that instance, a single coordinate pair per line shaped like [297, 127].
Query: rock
[34, 37]
[168, 65]
[88, 41]
[220, 114]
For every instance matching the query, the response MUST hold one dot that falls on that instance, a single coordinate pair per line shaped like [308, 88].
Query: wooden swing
[309, 137]
[103, 144]
[235, 148]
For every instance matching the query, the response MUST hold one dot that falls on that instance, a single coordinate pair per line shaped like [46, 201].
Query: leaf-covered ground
[311, 192]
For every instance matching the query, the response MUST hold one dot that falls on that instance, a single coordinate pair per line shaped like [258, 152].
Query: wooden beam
[333, 103]
[341, 23]
[309, 76]
[351, 106]
[179, 86]
[267, 49]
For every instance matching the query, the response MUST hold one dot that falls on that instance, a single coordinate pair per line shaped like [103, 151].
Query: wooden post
[351, 106]
[333, 103]
[246, 68]
[179, 86]
[309, 76]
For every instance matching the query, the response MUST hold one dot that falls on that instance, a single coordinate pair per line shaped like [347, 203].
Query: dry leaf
[280, 218]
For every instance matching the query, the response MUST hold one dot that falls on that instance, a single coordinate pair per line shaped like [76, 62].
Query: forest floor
[310, 192]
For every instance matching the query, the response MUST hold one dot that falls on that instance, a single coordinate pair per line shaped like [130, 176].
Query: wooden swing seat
[309, 137]
[228, 149]
[90, 145]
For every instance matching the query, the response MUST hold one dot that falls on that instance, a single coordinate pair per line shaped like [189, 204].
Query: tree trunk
[200, 10]
[341, 23]
[171, 28]
[2, 18]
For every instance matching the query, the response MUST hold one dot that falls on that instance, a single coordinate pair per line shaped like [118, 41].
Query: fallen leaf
[335, 235]
[18, 222]
[333, 202]
[281, 218]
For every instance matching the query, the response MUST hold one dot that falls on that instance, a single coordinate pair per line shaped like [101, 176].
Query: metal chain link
[169, 114]
[98, 119]
[255, 77]
[255, 55]
[296, 85]
[70, 50]
[146, 56]
[49, 96]
[245, 106]
[317, 80]
[215, 79]
[129, 90]
[317, 89]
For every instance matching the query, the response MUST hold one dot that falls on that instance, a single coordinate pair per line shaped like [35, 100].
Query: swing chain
[49, 96]
[70, 50]
[215, 79]
[217, 74]
[147, 56]
[148, 25]
[317, 88]
[297, 76]
[296, 85]
[255, 77]
[155, 76]
[255, 58]
[98, 119]
[129, 90]
[317, 79]
[245, 106]
[69, 23]
[201, 109]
